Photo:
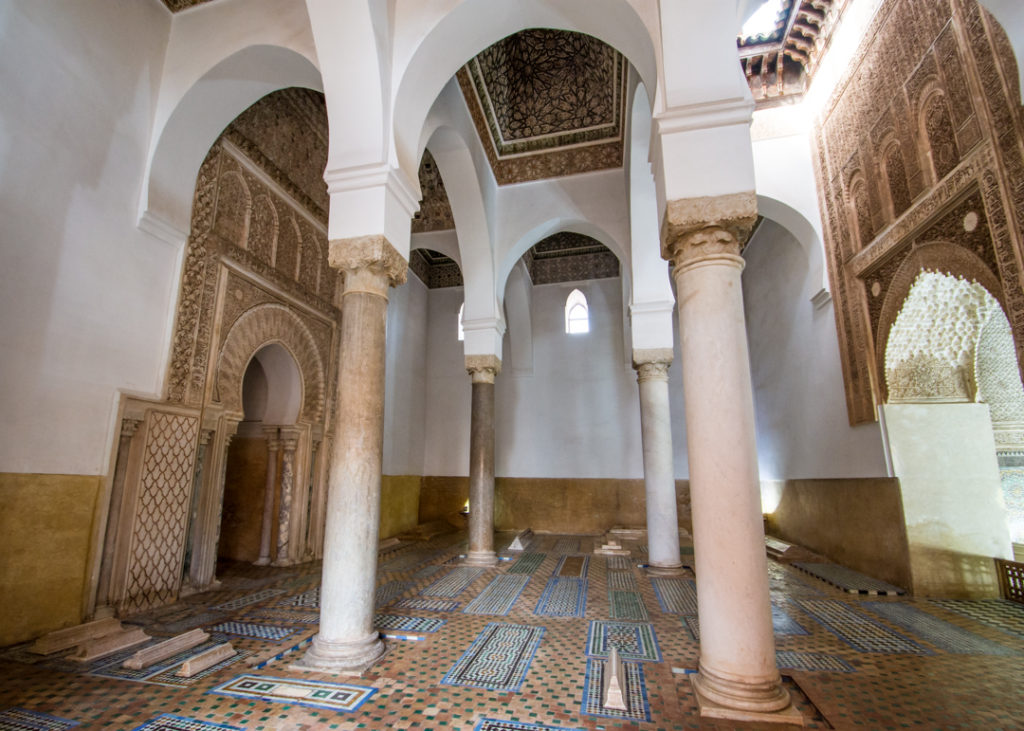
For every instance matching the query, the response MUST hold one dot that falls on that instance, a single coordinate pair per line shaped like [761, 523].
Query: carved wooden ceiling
[570, 257]
[780, 65]
[176, 5]
[547, 103]
[435, 213]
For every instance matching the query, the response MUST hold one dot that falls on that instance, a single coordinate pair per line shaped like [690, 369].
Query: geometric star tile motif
[20, 719]
[635, 641]
[498, 596]
[168, 722]
[498, 659]
[637, 707]
[333, 696]
[563, 597]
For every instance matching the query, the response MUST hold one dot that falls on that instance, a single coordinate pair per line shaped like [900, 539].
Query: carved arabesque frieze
[955, 116]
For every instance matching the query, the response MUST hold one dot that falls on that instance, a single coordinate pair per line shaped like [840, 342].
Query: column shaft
[737, 670]
[659, 473]
[481, 469]
[267, 528]
[284, 524]
[347, 640]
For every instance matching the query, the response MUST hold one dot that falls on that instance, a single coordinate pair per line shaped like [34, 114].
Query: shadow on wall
[952, 574]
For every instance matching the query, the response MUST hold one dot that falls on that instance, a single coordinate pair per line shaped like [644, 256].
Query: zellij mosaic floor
[523, 646]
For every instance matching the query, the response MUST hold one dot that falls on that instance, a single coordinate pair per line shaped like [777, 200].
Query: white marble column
[482, 369]
[284, 514]
[737, 677]
[347, 640]
[659, 475]
[267, 529]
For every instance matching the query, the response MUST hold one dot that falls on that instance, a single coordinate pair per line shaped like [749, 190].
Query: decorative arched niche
[257, 328]
[937, 257]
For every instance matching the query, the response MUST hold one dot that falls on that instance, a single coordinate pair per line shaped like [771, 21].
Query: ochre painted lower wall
[399, 504]
[45, 533]
[552, 505]
[855, 522]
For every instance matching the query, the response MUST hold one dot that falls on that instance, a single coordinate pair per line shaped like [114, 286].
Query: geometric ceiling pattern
[547, 103]
[176, 5]
[779, 64]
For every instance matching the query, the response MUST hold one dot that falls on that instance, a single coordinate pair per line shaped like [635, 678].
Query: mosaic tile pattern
[942, 634]
[783, 624]
[499, 596]
[307, 599]
[634, 641]
[675, 596]
[850, 581]
[566, 545]
[428, 605]
[251, 629]
[856, 629]
[115, 669]
[999, 613]
[184, 624]
[281, 615]
[245, 601]
[20, 719]
[388, 592]
[409, 561]
[428, 571]
[812, 661]
[318, 694]
[636, 693]
[527, 563]
[498, 659]
[621, 581]
[572, 566]
[627, 605]
[168, 722]
[619, 563]
[693, 627]
[453, 583]
[494, 724]
[408, 624]
[563, 597]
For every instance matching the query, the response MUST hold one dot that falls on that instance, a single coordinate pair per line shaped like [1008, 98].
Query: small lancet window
[462, 333]
[577, 314]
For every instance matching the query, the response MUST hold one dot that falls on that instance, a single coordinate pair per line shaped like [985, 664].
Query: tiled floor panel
[846, 670]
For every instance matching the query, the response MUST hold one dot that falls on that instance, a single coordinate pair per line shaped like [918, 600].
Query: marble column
[266, 532]
[659, 475]
[482, 369]
[284, 517]
[230, 429]
[347, 640]
[128, 429]
[737, 677]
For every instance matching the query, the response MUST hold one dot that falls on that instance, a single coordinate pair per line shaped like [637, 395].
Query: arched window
[462, 333]
[577, 314]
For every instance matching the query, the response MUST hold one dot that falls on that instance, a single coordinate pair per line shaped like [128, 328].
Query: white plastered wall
[86, 299]
[802, 428]
[406, 378]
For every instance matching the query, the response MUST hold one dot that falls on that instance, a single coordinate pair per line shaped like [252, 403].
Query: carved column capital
[483, 368]
[652, 364]
[370, 264]
[697, 228]
[129, 427]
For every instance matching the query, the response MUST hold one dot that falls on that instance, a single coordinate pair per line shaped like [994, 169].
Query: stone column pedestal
[482, 369]
[347, 641]
[266, 532]
[659, 478]
[737, 677]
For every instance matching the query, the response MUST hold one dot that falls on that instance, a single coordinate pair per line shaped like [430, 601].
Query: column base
[351, 658]
[283, 562]
[480, 558]
[655, 570]
[262, 561]
[764, 702]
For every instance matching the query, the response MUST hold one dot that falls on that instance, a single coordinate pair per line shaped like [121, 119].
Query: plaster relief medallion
[971, 221]
[237, 294]
[876, 288]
